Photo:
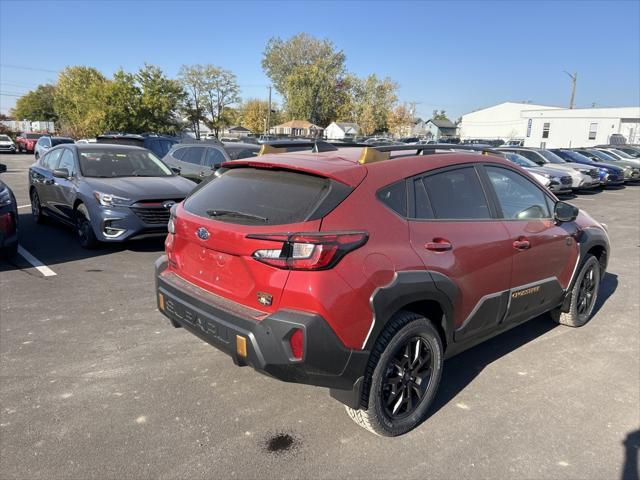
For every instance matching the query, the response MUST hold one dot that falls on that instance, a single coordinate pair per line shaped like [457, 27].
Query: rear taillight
[308, 251]
[7, 225]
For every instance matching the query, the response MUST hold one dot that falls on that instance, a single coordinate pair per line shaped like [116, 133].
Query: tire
[84, 230]
[36, 207]
[584, 295]
[8, 252]
[408, 351]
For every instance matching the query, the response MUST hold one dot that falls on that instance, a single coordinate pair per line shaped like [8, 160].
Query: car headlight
[5, 197]
[110, 200]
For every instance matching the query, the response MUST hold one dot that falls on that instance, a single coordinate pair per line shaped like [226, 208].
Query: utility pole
[269, 112]
[574, 79]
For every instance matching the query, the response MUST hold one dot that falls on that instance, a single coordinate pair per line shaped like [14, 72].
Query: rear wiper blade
[231, 213]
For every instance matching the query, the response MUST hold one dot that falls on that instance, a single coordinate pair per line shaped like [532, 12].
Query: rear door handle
[522, 244]
[438, 245]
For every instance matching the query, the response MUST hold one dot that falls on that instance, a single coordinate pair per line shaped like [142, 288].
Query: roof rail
[376, 154]
[286, 146]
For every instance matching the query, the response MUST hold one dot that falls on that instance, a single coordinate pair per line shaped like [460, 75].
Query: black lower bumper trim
[326, 361]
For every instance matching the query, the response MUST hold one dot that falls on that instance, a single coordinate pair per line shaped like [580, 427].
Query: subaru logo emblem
[168, 204]
[202, 233]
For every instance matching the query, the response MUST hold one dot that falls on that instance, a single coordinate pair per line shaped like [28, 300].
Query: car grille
[565, 180]
[153, 212]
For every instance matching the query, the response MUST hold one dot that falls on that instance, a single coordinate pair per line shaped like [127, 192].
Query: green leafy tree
[439, 115]
[309, 74]
[36, 105]
[192, 79]
[220, 92]
[79, 101]
[374, 100]
[122, 103]
[160, 100]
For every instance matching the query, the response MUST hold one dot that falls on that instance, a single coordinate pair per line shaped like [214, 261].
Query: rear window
[59, 141]
[254, 196]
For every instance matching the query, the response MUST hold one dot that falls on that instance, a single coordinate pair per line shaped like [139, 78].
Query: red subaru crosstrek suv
[360, 270]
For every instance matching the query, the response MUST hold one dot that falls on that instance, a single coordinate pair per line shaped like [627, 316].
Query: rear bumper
[326, 362]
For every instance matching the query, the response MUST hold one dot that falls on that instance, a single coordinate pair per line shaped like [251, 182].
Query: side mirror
[3, 168]
[176, 170]
[61, 173]
[565, 212]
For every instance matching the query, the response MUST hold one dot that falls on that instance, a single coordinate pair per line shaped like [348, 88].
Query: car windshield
[621, 153]
[59, 141]
[33, 136]
[116, 162]
[551, 157]
[576, 156]
[520, 160]
[4, 138]
[603, 156]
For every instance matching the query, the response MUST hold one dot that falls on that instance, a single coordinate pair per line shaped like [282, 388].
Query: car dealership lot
[97, 384]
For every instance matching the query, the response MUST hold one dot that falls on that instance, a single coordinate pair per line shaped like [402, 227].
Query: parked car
[46, 142]
[158, 144]
[515, 142]
[238, 150]
[315, 268]
[196, 161]
[87, 140]
[589, 178]
[6, 144]
[26, 142]
[619, 157]
[557, 180]
[629, 150]
[612, 175]
[108, 193]
[8, 219]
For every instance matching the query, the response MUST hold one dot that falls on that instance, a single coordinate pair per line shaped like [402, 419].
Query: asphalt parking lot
[95, 383]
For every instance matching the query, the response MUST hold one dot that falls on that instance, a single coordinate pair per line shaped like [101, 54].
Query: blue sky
[456, 56]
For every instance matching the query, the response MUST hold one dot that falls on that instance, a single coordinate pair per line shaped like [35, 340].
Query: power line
[21, 67]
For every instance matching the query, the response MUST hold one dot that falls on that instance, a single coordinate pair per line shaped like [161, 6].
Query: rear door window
[451, 195]
[193, 155]
[253, 196]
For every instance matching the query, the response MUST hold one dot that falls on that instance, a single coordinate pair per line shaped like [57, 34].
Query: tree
[375, 98]
[442, 115]
[122, 102]
[400, 120]
[192, 80]
[254, 114]
[36, 105]
[309, 75]
[160, 101]
[220, 91]
[79, 101]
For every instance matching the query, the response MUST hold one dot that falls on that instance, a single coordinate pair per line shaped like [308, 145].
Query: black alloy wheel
[407, 377]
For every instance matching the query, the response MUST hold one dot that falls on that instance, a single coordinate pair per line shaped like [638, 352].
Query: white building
[551, 127]
[503, 121]
[580, 127]
[341, 130]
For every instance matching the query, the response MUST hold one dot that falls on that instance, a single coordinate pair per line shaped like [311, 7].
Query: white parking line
[37, 264]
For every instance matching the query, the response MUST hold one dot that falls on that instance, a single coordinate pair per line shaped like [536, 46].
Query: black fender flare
[409, 287]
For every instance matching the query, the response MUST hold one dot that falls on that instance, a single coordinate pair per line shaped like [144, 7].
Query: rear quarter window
[255, 196]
